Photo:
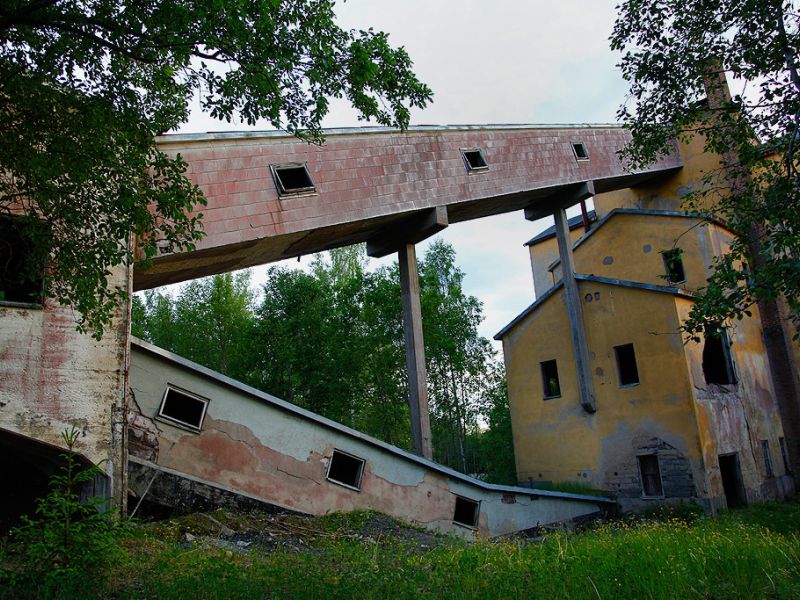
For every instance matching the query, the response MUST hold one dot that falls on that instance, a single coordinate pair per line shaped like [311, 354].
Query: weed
[67, 538]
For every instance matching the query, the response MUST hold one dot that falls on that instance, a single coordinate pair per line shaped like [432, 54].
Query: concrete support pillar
[575, 312]
[415, 353]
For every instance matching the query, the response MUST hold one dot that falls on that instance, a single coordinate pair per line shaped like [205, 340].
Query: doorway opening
[731, 474]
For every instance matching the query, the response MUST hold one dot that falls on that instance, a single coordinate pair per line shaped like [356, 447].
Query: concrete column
[415, 353]
[575, 312]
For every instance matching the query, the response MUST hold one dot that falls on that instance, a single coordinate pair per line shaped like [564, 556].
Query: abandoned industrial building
[674, 420]
[655, 419]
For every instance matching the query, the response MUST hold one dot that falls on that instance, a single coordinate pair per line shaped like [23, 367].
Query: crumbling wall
[735, 418]
[53, 378]
[269, 450]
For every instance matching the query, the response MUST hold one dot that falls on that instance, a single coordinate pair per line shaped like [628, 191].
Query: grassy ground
[751, 553]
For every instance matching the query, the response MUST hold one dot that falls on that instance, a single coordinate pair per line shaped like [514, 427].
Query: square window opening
[767, 458]
[651, 476]
[673, 265]
[183, 408]
[466, 512]
[552, 387]
[22, 260]
[626, 365]
[346, 469]
[717, 362]
[474, 160]
[580, 151]
[784, 456]
[292, 179]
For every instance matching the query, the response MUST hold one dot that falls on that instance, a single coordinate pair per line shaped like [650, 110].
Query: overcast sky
[502, 61]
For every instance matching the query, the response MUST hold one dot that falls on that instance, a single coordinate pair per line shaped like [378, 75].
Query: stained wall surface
[368, 180]
[267, 449]
[53, 378]
[556, 440]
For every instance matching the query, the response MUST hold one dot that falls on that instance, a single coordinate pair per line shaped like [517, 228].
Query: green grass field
[749, 553]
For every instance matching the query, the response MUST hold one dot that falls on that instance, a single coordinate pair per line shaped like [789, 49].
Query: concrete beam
[569, 196]
[410, 231]
[415, 353]
[575, 312]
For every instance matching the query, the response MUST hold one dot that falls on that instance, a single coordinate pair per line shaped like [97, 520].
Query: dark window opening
[673, 264]
[292, 179]
[183, 408]
[767, 458]
[22, 259]
[346, 469]
[784, 456]
[731, 475]
[626, 365]
[466, 512]
[717, 364]
[651, 476]
[581, 153]
[474, 160]
[552, 389]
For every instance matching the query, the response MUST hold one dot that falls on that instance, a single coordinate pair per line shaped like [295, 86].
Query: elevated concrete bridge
[271, 196]
[374, 185]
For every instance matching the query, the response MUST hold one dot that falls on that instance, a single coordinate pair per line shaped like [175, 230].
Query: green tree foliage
[331, 340]
[69, 537]
[86, 85]
[208, 322]
[676, 54]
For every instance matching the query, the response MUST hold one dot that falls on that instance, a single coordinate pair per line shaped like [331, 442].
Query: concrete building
[271, 196]
[669, 420]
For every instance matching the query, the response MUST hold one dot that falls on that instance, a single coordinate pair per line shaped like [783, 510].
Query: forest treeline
[331, 340]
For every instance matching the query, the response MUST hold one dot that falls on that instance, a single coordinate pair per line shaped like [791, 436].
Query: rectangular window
[784, 455]
[474, 160]
[651, 476]
[767, 458]
[346, 469]
[580, 151]
[626, 365]
[552, 388]
[183, 408]
[22, 261]
[466, 512]
[673, 265]
[292, 179]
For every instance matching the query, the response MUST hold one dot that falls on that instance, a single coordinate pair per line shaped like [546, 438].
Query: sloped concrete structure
[256, 446]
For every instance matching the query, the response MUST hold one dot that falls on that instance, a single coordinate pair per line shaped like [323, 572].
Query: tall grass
[744, 554]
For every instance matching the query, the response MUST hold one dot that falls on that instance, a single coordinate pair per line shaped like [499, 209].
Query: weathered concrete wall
[668, 192]
[370, 179]
[270, 450]
[627, 246]
[734, 418]
[556, 440]
[542, 255]
[53, 378]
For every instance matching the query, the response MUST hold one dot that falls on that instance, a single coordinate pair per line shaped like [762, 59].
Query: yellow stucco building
[674, 420]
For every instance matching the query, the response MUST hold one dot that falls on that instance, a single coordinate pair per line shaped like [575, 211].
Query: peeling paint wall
[53, 378]
[735, 418]
[251, 446]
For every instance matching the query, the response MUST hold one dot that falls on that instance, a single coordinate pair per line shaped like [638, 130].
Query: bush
[67, 541]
